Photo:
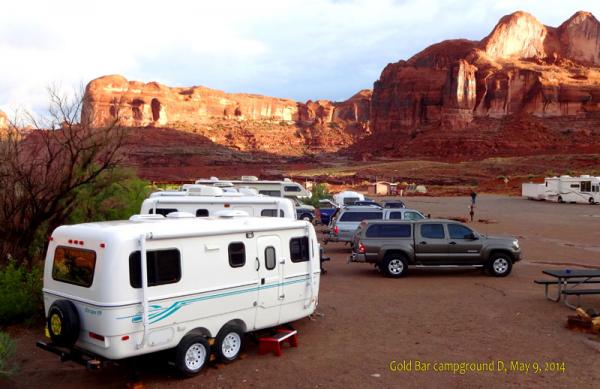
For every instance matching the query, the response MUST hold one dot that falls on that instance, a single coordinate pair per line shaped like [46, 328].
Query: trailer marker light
[81, 242]
[50, 238]
[226, 205]
[125, 337]
[102, 245]
[70, 240]
[96, 336]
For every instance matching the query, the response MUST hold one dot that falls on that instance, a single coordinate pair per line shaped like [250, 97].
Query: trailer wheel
[591, 201]
[191, 354]
[229, 343]
[63, 323]
[560, 199]
[395, 265]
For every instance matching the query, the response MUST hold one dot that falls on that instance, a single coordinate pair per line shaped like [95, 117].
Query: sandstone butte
[525, 88]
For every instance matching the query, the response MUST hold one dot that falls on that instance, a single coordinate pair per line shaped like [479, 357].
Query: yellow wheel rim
[55, 324]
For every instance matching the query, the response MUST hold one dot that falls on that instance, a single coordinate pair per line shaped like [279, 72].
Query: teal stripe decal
[158, 313]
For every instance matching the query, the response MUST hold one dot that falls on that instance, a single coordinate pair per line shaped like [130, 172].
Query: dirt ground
[366, 321]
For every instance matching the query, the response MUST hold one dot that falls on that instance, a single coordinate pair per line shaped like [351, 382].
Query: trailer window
[163, 266]
[299, 249]
[292, 188]
[575, 186]
[271, 213]
[272, 193]
[74, 266]
[237, 254]
[270, 258]
[201, 212]
[586, 186]
[163, 211]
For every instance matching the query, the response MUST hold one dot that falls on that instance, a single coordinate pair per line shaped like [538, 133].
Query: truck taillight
[336, 230]
[361, 248]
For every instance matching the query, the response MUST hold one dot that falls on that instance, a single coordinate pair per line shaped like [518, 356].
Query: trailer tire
[591, 201]
[229, 343]
[560, 199]
[394, 265]
[63, 323]
[192, 354]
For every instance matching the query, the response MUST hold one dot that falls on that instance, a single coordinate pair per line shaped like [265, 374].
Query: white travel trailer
[347, 197]
[565, 189]
[208, 201]
[114, 290]
[285, 188]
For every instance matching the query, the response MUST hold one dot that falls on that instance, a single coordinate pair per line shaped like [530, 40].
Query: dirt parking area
[368, 325]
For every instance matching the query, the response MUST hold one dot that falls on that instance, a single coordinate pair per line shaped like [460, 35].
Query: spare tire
[63, 323]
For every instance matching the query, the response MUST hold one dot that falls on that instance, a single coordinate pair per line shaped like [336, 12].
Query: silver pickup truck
[393, 246]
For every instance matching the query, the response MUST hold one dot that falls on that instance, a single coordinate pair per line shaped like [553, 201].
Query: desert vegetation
[55, 168]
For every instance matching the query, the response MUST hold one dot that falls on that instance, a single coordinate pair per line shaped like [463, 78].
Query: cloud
[288, 48]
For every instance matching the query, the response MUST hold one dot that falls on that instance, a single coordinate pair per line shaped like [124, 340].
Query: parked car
[303, 211]
[325, 211]
[393, 246]
[347, 220]
[393, 204]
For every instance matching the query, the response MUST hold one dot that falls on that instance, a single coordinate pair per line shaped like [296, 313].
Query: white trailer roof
[174, 228]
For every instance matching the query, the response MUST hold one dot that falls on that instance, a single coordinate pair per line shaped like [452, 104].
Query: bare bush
[43, 162]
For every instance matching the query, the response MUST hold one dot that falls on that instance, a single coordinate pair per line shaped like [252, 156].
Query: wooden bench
[273, 343]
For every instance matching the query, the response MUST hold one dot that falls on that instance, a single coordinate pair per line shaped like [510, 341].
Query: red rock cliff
[521, 67]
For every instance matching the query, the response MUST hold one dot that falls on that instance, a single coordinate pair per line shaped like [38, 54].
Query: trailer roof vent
[180, 215]
[248, 191]
[202, 190]
[249, 178]
[231, 214]
[145, 217]
[287, 180]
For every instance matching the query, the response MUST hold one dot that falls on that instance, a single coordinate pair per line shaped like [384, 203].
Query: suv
[393, 246]
[346, 220]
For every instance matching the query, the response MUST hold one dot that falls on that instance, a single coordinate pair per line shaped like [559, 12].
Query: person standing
[473, 196]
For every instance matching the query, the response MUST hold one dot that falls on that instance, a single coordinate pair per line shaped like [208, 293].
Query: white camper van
[204, 201]
[285, 188]
[565, 189]
[119, 289]
[347, 197]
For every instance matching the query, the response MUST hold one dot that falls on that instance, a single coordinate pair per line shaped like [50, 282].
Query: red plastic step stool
[273, 343]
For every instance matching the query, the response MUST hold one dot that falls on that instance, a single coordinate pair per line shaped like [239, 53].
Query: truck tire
[63, 323]
[499, 265]
[192, 354]
[394, 265]
[306, 217]
[229, 343]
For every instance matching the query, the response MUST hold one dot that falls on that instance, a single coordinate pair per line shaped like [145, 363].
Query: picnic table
[568, 283]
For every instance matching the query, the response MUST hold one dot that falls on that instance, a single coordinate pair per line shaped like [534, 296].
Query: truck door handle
[262, 281]
[422, 242]
[452, 243]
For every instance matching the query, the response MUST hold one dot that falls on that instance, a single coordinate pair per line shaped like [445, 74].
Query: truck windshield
[74, 266]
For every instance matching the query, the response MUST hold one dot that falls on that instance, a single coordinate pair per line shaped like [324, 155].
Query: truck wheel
[395, 265]
[306, 217]
[229, 343]
[500, 265]
[191, 354]
[63, 323]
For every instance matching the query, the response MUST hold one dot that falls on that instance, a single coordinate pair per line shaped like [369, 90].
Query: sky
[299, 49]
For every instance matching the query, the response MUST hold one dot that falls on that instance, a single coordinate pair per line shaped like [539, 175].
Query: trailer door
[270, 281]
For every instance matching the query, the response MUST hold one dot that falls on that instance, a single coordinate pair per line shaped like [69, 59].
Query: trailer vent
[231, 213]
[180, 215]
[141, 218]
